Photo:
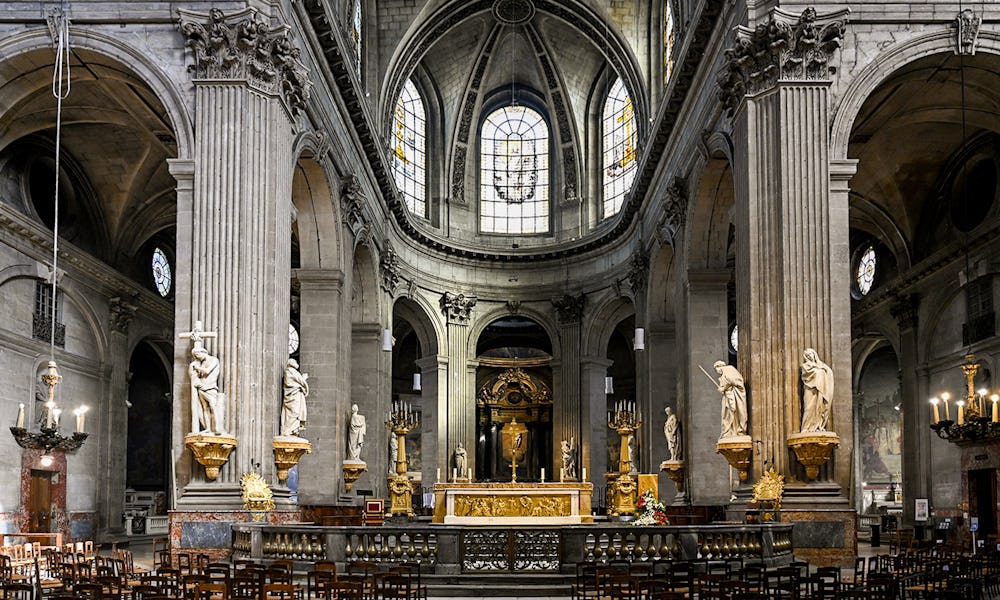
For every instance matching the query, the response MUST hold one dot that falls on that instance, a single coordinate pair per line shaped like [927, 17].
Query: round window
[865, 275]
[162, 276]
[293, 339]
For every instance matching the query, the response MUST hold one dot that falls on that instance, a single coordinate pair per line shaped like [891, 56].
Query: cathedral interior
[458, 215]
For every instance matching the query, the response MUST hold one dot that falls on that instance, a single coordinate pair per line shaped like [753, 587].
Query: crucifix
[206, 414]
[197, 334]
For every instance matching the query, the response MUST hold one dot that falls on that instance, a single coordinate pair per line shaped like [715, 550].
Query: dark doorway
[40, 502]
[983, 500]
[148, 458]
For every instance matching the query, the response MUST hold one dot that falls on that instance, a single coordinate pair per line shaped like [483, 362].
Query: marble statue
[568, 458]
[293, 406]
[460, 460]
[817, 392]
[393, 451]
[206, 401]
[734, 400]
[671, 431]
[356, 434]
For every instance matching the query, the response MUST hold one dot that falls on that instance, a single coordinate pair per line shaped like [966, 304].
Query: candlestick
[961, 412]
[58, 413]
[585, 473]
[934, 406]
[81, 415]
[947, 413]
[20, 415]
[995, 398]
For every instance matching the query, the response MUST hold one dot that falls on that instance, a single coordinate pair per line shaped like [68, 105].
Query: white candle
[20, 415]
[80, 416]
[58, 413]
[961, 412]
[454, 474]
[543, 474]
[937, 414]
[562, 474]
[994, 398]
[438, 478]
[48, 414]
[585, 473]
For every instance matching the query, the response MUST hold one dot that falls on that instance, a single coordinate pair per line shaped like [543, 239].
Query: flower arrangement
[650, 511]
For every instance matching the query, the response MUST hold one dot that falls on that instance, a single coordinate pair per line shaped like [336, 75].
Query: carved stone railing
[447, 549]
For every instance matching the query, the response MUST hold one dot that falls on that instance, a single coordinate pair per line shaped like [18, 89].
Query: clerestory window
[514, 172]
[619, 156]
[409, 143]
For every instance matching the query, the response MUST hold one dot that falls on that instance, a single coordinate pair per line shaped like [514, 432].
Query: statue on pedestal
[734, 400]
[568, 459]
[817, 392]
[293, 407]
[206, 401]
[671, 431]
[460, 460]
[356, 435]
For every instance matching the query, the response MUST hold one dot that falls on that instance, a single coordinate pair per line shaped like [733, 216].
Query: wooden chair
[278, 591]
[18, 591]
[212, 591]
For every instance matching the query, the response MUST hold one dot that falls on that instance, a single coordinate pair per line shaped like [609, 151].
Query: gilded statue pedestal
[624, 493]
[288, 449]
[813, 449]
[736, 450]
[400, 496]
[211, 450]
[352, 470]
[675, 471]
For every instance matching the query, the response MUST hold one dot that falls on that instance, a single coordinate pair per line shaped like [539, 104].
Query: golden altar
[555, 503]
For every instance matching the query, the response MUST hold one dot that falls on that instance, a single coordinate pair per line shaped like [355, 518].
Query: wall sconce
[609, 385]
[387, 340]
[639, 341]
[416, 382]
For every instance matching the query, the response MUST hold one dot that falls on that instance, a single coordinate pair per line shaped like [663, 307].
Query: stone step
[534, 585]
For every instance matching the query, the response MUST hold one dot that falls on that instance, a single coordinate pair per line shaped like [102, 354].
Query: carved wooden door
[40, 502]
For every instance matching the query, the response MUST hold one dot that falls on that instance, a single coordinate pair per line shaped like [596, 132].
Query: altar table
[488, 503]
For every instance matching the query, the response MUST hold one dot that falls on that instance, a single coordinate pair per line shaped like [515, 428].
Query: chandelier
[976, 420]
[48, 437]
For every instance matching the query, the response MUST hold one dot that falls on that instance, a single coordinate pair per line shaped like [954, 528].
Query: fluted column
[916, 426]
[566, 409]
[322, 353]
[460, 401]
[791, 236]
[248, 84]
[113, 445]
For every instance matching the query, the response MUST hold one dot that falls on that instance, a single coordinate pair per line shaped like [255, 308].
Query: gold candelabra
[48, 436]
[400, 421]
[625, 419]
[975, 419]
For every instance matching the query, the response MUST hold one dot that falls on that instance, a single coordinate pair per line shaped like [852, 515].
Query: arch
[365, 301]
[709, 215]
[317, 221]
[496, 313]
[885, 64]
[872, 218]
[662, 285]
[607, 315]
[147, 70]
[416, 313]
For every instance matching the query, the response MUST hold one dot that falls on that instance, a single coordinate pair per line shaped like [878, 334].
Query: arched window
[619, 158]
[514, 172]
[668, 40]
[409, 158]
[356, 36]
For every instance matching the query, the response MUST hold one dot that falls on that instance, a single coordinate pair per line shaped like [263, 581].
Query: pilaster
[461, 394]
[248, 85]
[594, 409]
[113, 445]
[566, 417]
[916, 425]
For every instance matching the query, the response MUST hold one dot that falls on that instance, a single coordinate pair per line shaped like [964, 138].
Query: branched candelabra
[400, 421]
[976, 420]
[625, 419]
[48, 437]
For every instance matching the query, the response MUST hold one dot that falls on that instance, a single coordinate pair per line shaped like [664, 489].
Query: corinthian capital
[244, 47]
[785, 48]
[457, 307]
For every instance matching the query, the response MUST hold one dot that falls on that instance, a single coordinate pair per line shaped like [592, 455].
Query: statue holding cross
[207, 403]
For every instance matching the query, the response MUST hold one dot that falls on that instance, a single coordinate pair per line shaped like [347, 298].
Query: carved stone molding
[782, 49]
[905, 311]
[245, 47]
[457, 307]
[967, 29]
[352, 200]
[635, 278]
[675, 203]
[514, 306]
[122, 310]
[569, 309]
[390, 271]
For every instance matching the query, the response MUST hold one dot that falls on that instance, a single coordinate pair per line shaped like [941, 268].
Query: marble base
[210, 532]
[823, 537]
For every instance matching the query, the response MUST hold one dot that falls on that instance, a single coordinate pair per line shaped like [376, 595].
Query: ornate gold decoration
[767, 494]
[624, 493]
[514, 388]
[675, 471]
[287, 452]
[256, 495]
[353, 470]
[401, 421]
[515, 442]
[736, 450]
[525, 505]
[813, 449]
[400, 495]
[211, 450]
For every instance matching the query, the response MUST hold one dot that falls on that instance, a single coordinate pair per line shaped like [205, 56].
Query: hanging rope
[59, 25]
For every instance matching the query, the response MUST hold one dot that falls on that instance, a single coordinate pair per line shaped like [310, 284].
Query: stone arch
[418, 315]
[498, 312]
[365, 300]
[710, 213]
[660, 307]
[885, 64]
[140, 63]
[608, 313]
[317, 220]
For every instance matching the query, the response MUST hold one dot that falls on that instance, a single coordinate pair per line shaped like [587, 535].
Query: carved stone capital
[675, 203]
[967, 29]
[389, 269]
[352, 199]
[457, 307]
[905, 311]
[785, 48]
[121, 312]
[569, 309]
[636, 277]
[244, 47]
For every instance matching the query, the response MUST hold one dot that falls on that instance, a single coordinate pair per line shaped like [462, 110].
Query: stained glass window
[356, 36]
[620, 152]
[162, 276]
[514, 171]
[409, 160]
[293, 339]
[668, 40]
[866, 271]
[734, 338]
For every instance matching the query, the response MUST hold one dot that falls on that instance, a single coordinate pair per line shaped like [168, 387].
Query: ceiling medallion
[513, 12]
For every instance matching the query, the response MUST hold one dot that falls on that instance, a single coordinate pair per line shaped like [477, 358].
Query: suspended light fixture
[639, 341]
[387, 340]
[48, 437]
[609, 385]
[416, 382]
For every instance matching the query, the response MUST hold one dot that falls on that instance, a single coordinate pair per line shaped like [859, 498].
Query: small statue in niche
[460, 460]
[293, 406]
